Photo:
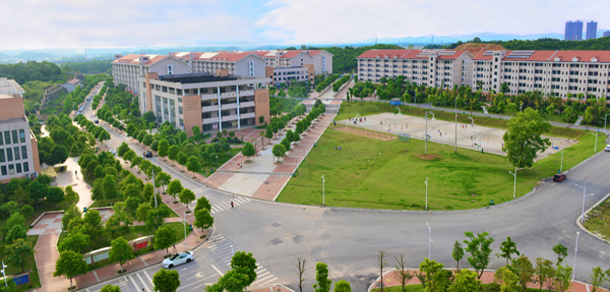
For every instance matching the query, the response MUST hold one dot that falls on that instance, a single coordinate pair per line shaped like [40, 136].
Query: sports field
[369, 172]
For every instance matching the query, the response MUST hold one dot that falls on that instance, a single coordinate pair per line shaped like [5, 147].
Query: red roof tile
[74, 81]
[409, 54]
[549, 56]
[135, 59]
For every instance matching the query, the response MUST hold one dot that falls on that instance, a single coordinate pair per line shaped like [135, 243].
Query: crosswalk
[219, 207]
[223, 249]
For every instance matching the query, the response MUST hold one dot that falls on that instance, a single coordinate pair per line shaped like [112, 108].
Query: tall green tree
[174, 188]
[524, 140]
[203, 219]
[561, 251]
[172, 153]
[524, 269]
[479, 248]
[166, 280]
[465, 281]
[458, 253]
[19, 252]
[193, 164]
[164, 238]
[507, 249]
[163, 148]
[248, 150]
[111, 288]
[404, 275]
[120, 251]
[322, 280]
[186, 197]
[342, 286]
[70, 264]
[203, 203]
[245, 264]
[544, 272]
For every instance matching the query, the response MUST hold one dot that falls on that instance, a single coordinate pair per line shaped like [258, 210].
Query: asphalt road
[348, 240]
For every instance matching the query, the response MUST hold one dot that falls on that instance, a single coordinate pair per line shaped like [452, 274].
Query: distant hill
[544, 44]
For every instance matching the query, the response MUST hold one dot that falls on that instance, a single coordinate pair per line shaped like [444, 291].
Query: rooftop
[74, 81]
[134, 59]
[196, 78]
[411, 54]
[594, 56]
[9, 87]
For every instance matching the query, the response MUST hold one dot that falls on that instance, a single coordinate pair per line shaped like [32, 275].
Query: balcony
[229, 118]
[229, 106]
[246, 104]
[209, 96]
[210, 120]
[211, 108]
[248, 115]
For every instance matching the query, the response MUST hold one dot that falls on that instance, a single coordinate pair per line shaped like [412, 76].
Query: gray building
[607, 33]
[591, 30]
[573, 31]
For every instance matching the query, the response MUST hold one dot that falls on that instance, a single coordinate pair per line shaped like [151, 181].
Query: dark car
[559, 177]
[147, 154]
[97, 121]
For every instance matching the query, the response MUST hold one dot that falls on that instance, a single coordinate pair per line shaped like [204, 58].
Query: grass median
[371, 173]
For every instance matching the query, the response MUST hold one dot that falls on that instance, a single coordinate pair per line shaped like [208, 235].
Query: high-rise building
[607, 33]
[591, 30]
[573, 31]
[18, 146]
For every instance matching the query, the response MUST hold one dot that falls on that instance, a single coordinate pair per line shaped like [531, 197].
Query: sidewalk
[393, 279]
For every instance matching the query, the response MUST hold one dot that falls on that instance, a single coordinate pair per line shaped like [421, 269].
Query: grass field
[420, 288]
[371, 108]
[599, 220]
[370, 173]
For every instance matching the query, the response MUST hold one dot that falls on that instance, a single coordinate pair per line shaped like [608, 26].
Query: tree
[142, 212]
[261, 120]
[561, 279]
[120, 251]
[162, 179]
[36, 191]
[149, 117]
[403, 274]
[465, 281]
[93, 218]
[458, 253]
[524, 269]
[278, 150]
[75, 241]
[507, 249]
[172, 152]
[58, 155]
[524, 139]
[598, 278]
[381, 264]
[110, 189]
[504, 87]
[203, 203]
[322, 280]
[15, 233]
[561, 251]
[232, 281]
[166, 280]
[245, 264]
[70, 264]
[124, 148]
[148, 139]
[182, 158]
[286, 143]
[148, 191]
[19, 252]
[186, 197]
[55, 195]
[70, 194]
[164, 237]
[544, 271]
[342, 286]
[269, 132]
[203, 219]
[193, 164]
[432, 272]
[248, 150]
[174, 188]
[196, 131]
[510, 281]
[111, 288]
[163, 148]
[479, 249]
[301, 272]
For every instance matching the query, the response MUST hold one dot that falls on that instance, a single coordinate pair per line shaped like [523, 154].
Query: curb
[587, 212]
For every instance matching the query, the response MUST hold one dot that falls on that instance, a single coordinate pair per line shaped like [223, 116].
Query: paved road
[349, 239]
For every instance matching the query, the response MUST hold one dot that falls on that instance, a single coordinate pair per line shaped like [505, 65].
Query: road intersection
[349, 239]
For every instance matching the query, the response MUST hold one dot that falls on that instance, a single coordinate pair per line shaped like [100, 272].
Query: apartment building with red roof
[429, 67]
[552, 72]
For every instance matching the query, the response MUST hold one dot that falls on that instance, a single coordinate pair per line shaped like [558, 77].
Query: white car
[607, 148]
[178, 259]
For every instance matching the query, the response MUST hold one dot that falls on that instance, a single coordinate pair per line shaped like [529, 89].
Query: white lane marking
[215, 236]
[96, 277]
[136, 285]
[258, 280]
[142, 280]
[263, 275]
[217, 270]
[241, 201]
[147, 276]
[196, 282]
[267, 282]
[259, 271]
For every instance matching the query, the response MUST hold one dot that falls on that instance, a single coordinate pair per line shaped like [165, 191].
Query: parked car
[147, 154]
[559, 177]
[97, 121]
[178, 259]
[88, 98]
[607, 148]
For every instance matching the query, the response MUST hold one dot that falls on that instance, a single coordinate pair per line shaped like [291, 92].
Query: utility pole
[323, 181]
[429, 241]
[561, 167]
[575, 256]
[426, 136]
[584, 195]
[154, 185]
[186, 248]
[515, 184]
[455, 149]
[426, 193]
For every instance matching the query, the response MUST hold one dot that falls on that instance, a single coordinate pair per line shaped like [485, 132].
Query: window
[2, 158]
[7, 137]
[170, 69]
[9, 154]
[4, 170]
[11, 169]
[18, 165]
[17, 156]
[15, 137]
[24, 152]
[180, 110]
[21, 136]
[26, 167]
[179, 99]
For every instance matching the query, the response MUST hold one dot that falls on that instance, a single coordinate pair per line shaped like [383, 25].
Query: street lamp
[429, 241]
[185, 243]
[455, 148]
[596, 135]
[426, 136]
[515, 184]
[4, 274]
[575, 255]
[605, 123]
[561, 167]
[426, 193]
[323, 181]
[584, 193]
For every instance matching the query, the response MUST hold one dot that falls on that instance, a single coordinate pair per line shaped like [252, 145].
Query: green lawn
[599, 220]
[369, 173]
[29, 265]
[420, 288]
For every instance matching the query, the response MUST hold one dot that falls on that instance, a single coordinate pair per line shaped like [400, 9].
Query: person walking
[232, 205]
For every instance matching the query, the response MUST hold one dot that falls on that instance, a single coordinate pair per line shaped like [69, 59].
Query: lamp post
[426, 193]
[605, 120]
[4, 274]
[515, 184]
[323, 181]
[429, 241]
[596, 135]
[185, 243]
[455, 148]
[575, 256]
[561, 167]
[584, 194]
[426, 136]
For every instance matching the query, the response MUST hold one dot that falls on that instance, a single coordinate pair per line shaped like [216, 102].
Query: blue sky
[36, 24]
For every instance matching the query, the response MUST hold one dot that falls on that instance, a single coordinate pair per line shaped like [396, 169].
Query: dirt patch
[365, 133]
[428, 157]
